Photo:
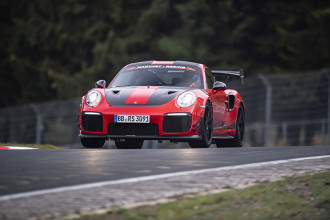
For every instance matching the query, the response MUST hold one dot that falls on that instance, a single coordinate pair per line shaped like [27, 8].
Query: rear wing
[228, 73]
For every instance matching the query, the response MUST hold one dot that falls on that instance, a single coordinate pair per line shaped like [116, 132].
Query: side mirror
[100, 84]
[219, 85]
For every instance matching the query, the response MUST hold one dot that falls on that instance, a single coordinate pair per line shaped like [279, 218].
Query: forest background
[51, 50]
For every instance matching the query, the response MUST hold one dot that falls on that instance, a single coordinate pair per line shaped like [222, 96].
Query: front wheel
[92, 142]
[129, 143]
[237, 141]
[206, 129]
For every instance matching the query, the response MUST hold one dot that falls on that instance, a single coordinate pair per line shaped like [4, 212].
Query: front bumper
[177, 125]
[145, 137]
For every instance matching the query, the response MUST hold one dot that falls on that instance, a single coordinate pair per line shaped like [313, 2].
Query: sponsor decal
[227, 126]
[162, 66]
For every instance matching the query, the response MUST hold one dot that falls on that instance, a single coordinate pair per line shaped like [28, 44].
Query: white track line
[146, 178]
[16, 148]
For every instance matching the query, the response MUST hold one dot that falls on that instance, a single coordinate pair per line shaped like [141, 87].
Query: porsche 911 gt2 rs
[163, 100]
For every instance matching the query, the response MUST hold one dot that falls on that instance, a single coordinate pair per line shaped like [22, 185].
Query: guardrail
[291, 109]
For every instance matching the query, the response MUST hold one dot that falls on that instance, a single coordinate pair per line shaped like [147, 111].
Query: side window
[209, 78]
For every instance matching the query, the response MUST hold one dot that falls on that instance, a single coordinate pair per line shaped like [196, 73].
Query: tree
[51, 50]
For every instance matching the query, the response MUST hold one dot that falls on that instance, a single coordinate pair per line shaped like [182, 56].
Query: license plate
[132, 119]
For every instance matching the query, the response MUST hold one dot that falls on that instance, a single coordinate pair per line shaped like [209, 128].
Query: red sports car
[163, 100]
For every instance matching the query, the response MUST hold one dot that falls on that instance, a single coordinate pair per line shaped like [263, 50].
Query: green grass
[43, 146]
[305, 197]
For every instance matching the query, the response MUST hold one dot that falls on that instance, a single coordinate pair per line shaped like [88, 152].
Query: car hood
[142, 95]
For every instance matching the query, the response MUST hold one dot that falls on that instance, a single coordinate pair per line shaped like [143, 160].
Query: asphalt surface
[29, 170]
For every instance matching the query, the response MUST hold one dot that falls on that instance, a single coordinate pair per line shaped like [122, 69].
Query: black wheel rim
[240, 125]
[208, 125]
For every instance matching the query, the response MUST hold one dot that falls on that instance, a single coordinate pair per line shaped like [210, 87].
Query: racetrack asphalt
[24, 171]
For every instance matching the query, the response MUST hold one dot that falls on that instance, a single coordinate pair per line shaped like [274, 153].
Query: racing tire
[206, 129]
[129, 144]
[92, 142]
[237, 141]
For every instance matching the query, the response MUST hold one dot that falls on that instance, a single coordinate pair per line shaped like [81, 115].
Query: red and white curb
[16, 148]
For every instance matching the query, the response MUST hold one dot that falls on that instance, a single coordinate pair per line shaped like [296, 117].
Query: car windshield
[159, 75]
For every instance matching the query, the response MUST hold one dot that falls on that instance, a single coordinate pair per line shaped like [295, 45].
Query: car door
[218, 101]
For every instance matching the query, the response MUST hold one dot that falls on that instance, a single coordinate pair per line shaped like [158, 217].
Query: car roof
[174, 63]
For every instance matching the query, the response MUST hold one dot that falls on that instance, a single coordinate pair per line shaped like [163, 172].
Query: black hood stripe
[164, 95]
[118, 96]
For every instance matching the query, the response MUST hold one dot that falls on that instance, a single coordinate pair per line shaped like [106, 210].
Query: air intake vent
[92, 121]
[132, 129]
[231, 104]
[174, 123]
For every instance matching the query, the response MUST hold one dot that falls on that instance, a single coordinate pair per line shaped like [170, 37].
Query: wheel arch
[240, 104]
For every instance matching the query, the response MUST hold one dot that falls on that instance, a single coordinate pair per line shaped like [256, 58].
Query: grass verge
[298, 198]
[43, 146]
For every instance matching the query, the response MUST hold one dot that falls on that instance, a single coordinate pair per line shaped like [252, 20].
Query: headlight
[93, 98]
[186, 99]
